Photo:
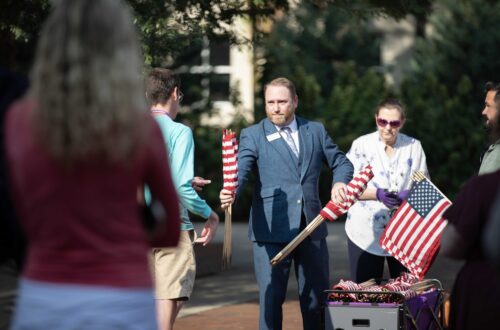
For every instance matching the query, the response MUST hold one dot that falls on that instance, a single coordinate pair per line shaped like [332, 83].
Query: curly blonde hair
[87, 82]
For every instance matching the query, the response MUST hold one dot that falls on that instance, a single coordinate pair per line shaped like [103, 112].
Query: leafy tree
[20, 23]
[443, 89]
[352, 104]
[167, 28]
[311, 45]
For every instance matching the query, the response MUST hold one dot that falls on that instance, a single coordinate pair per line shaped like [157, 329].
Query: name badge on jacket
[272, 137]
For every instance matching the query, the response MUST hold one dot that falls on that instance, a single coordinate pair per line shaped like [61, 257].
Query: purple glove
[391, 200]
[403, 194]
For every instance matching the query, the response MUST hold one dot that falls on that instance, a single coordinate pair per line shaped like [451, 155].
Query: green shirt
[180, 149]
[491, 159]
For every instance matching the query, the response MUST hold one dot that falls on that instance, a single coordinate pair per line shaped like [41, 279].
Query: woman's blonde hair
[87, 82]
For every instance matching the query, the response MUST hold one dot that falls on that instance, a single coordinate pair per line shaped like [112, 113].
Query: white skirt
[43, 305]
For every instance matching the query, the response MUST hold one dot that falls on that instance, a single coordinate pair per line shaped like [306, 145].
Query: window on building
[206, 74]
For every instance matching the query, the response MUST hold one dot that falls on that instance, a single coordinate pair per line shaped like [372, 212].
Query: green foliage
[311, 44]
[449, 128]
[20, 23]
[444, 88]
[166, 28]
[352, 104]
[464, 42]
[169, 28]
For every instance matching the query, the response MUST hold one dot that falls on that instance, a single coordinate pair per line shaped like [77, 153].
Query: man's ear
[174, 94]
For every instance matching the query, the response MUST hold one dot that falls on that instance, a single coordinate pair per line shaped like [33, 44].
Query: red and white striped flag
[229, 160]
[355, 189]
[331, 211]
[230, 176]
[412, 236]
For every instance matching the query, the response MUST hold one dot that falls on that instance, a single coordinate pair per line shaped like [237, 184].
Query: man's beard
[493, 128]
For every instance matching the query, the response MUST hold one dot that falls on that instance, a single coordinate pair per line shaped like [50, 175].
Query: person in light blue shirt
[174, 269]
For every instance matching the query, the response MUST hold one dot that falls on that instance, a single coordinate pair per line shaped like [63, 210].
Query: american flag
[230, 176]
[331, 211]
[230, 160]
[412, 235]
[355, 189]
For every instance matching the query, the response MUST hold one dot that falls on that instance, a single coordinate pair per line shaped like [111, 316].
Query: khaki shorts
[174, 269]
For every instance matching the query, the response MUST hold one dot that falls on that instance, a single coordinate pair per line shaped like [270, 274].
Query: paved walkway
[229, 299]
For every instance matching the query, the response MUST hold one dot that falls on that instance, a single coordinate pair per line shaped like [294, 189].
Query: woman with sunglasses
[394, 156]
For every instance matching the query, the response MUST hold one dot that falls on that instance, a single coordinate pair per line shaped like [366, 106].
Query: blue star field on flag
[424, 197]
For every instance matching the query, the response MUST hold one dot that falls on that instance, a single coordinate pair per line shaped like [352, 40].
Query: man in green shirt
[491, 158]
[174, 269]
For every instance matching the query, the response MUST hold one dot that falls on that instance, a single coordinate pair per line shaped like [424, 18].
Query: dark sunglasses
[393, 123]
[180, 96]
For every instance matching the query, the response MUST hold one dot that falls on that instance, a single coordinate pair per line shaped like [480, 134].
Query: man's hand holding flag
[331, 211]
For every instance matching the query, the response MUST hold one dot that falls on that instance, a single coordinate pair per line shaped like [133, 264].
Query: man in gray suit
[285, 154]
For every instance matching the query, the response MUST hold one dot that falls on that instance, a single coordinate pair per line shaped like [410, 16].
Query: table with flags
[412, 236]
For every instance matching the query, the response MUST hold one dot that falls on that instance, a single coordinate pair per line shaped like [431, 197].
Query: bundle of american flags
[229, 160]
[412, 236]
[394, 291]
[355, 189]
[230, 177]
[331, 211]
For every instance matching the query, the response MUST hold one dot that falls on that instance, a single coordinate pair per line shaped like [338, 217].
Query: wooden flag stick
[227, 244]
[417, 176]
[368, 283]
[297, 240]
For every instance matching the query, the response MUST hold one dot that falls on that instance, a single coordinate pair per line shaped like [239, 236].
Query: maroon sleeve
[471, 207]
[160, 183]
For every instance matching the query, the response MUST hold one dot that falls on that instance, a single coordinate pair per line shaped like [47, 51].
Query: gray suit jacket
[284, 186]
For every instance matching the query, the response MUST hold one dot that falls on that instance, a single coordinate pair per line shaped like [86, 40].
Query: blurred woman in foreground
[78, 148]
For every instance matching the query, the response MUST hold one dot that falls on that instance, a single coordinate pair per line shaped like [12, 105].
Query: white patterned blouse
[366, 219]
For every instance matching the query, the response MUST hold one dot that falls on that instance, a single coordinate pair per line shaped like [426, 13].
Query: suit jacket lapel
[306, 144]
[282, 149]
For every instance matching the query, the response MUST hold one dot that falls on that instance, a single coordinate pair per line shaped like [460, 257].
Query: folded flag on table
[230, 176]
[412, 236]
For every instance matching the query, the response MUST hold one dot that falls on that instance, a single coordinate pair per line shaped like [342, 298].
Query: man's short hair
[391, 104]
[160, 85]
[491, 86]
[281, 81]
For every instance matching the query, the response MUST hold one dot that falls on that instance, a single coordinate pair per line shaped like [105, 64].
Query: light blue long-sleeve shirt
[180, 147]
